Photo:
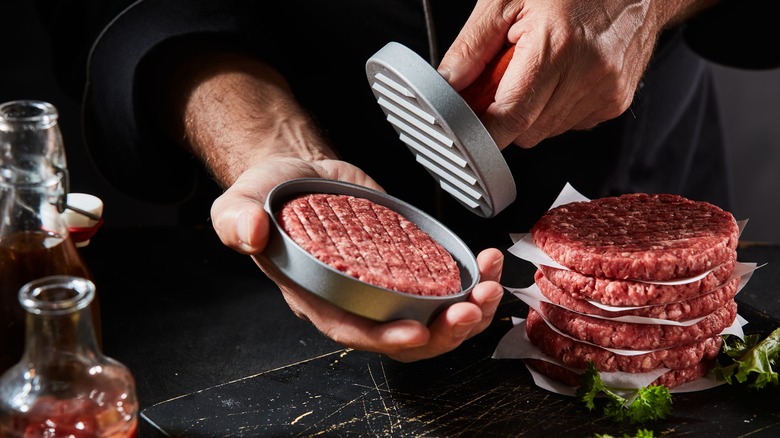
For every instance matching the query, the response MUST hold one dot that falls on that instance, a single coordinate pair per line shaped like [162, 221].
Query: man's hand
[402, 340]
[575, 64]
[242, 224]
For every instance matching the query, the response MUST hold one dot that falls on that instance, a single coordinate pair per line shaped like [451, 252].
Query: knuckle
[527, 140]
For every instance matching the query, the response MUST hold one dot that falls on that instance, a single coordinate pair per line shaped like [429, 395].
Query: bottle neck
[31, 142]
[59, 326]
[33, 168]
[32, 208]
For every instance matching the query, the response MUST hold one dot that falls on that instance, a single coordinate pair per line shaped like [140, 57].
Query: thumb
[240, 221]
[482, 38]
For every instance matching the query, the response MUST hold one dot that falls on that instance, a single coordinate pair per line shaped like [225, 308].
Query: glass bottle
[34, 238]
[64, 386]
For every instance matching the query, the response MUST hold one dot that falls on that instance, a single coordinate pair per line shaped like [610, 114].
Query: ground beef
[638, 236]
[677, 311]
[633, 293]
[577, 354]
[554, 371]
[678, 377]
[371, 243]
[669, 379]
[632, 336]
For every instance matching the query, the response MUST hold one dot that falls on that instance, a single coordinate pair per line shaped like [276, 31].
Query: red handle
[482, 92]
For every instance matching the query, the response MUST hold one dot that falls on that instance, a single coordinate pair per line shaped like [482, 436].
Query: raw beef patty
[669, 379]
[632, 336]
[638, 236]
[576, 354]
[635, 293]
[674, 311]
[371, 243]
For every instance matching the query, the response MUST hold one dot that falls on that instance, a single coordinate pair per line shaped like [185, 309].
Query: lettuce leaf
[754, 360]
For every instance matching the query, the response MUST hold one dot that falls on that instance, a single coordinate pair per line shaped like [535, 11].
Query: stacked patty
[370, 242]
[650, 256]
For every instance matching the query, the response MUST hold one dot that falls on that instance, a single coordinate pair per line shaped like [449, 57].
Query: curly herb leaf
[590, 386]
[754, 360]
[651, 403]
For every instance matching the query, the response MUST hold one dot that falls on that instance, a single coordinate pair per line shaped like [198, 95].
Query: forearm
[669, 13]
[233, 111]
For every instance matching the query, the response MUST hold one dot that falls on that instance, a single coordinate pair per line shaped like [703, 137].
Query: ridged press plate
[441, 130]
[345, 291]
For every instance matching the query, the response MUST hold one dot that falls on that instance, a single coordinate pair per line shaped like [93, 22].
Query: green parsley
[754, 363]
[650, 403]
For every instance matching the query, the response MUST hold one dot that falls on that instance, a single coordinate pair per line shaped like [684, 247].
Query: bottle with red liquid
[64, 386]
[34, 238]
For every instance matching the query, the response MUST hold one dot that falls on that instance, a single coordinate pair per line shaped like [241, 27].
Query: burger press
[348, 292]
[441, 129]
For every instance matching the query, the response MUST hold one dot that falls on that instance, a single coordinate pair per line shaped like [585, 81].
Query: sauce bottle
[34, 238]
[64, 386]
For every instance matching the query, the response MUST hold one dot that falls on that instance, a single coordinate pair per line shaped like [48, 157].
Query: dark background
[26, 73]
[750, 102]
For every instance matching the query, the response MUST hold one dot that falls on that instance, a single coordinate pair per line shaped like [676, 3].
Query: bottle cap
[83, 215]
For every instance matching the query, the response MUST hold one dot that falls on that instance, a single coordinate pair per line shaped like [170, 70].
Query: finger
[457, 323]
[559, 116]
[603, 114]
[240, 221]
[447, 332]
[461, 320]
[570, 102]
[404, 340]
[488, 293]
[481, 39]
[520, 101]
[346, 328]
[490, 262]
[487, 296]
[587, 115]
[580, 102]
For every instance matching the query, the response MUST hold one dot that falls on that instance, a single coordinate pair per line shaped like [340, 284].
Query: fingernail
[244, 230]
[461, 330]
[445, 74]
[417, 344]
[490, 313]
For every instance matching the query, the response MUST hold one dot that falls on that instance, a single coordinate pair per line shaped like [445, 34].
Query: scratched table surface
[216, 353]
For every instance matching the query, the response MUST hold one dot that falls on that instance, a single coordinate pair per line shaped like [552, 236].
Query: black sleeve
[737, 33]
[71, 27]
[125, 143]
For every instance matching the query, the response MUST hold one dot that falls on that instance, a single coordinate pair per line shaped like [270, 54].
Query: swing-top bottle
[34, 238]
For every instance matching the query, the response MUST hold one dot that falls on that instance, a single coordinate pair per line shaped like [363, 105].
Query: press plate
[441, 130]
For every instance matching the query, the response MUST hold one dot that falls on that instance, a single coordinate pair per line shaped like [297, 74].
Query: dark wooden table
[216, 352]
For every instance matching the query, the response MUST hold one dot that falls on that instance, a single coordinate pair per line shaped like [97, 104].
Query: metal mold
[347, 292]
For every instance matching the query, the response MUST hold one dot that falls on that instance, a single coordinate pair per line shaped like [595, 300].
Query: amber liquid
[25, 256]
[70, 419]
